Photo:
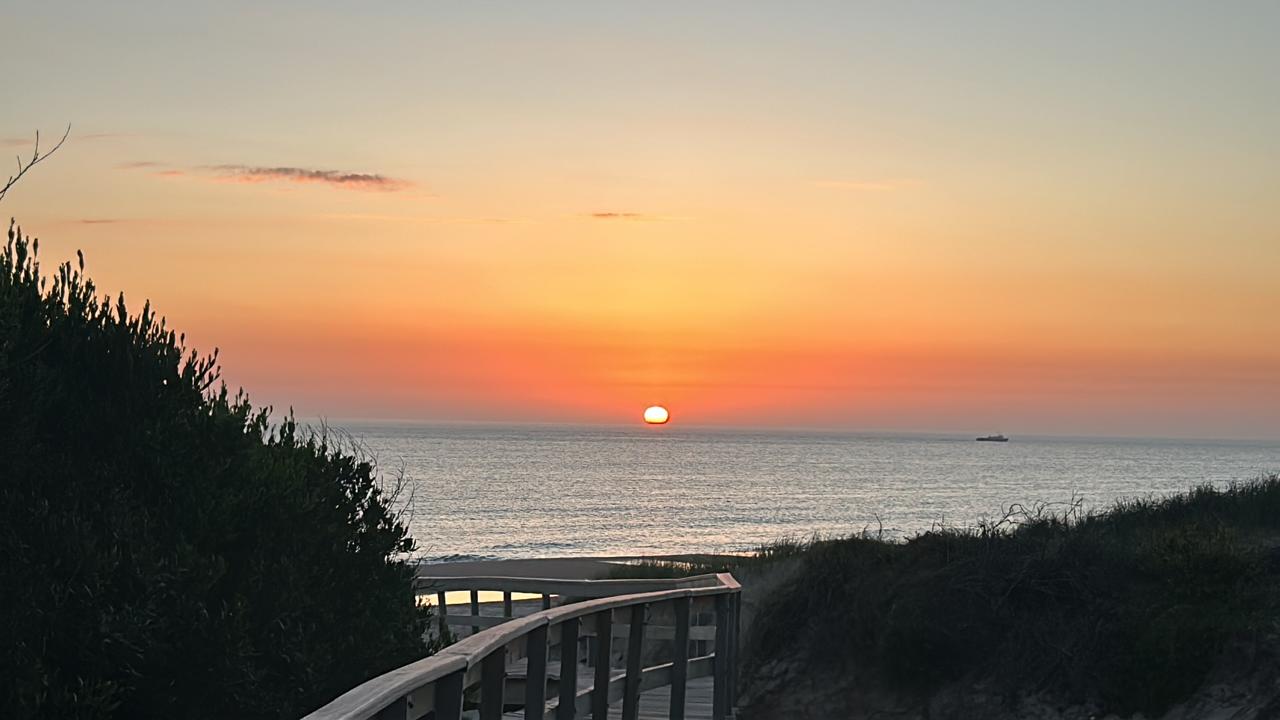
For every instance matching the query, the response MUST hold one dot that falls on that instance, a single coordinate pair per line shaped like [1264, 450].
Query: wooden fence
[477, 670]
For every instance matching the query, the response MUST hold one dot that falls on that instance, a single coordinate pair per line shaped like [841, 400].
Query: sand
[559, 568]
[582, 568]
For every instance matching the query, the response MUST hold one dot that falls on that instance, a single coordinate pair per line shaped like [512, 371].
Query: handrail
[439, 683]
[448, 615]
[555, 586]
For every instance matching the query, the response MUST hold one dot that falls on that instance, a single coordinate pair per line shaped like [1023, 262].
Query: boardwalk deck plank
[655, 703]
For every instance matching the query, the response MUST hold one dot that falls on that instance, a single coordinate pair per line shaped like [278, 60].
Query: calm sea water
[533, 491]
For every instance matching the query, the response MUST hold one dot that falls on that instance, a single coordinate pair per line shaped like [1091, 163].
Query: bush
[164, 550]
[1128, 610]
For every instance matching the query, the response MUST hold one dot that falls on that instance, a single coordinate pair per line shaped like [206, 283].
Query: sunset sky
[969, 217]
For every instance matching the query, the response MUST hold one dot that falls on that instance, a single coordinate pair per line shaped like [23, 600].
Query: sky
[1053, 218]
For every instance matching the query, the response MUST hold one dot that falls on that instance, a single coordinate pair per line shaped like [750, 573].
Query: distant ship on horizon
[992, 438]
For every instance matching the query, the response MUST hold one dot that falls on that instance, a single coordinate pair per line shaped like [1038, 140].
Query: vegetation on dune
[1128, 609]
[687, 565]
[164, 550]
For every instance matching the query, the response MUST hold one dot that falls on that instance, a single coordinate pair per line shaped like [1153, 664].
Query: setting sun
[656, 415]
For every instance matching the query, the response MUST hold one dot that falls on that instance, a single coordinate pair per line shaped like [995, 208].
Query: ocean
[479, 491]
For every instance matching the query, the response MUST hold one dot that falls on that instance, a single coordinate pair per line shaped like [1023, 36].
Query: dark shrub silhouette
[1129, 609]
[165, 551]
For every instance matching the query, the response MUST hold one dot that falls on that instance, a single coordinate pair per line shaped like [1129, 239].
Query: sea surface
[493, 491]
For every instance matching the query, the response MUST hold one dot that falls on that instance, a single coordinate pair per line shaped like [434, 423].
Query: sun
[656, 415]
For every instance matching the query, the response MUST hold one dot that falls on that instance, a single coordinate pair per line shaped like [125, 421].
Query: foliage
[678, 566]
[1128, 609]
[164, 550]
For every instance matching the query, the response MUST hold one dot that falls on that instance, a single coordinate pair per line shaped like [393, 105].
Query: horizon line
[332, 421]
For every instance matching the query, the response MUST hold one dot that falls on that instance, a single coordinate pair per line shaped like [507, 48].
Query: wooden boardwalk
[655, 703]
[654, 635]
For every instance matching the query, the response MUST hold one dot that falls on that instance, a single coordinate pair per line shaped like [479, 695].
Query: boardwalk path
[656, 634]
[654, 704]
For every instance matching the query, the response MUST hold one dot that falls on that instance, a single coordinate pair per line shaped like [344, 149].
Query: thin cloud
[865, 185]
[253, 175]
[634, 216]
[431, 219]
[102, 221]
[89, 137]
[333, 178]
[103, 136]
[616, 215]
[158, 169]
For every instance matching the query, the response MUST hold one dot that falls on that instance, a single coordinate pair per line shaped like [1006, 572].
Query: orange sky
[848, 218]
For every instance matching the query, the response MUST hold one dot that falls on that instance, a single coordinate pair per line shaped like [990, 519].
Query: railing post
[535, 683]
[493, 679]
[604, 649]
[475, 609]
[735, 629]
[444, 612]
[699, 646]
[635, 649]
[546, 601]
[568, 689]
[506, 605]
[720, 689]
[449, 696]
[680, 662]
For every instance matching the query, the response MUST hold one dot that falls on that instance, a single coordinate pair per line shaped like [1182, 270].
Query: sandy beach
[579, 568]
[559, 568]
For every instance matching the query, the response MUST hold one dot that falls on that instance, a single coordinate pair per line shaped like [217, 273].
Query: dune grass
[1129, 608]
[687, 565]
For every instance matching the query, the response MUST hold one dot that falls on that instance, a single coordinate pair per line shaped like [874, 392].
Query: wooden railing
[475, 670]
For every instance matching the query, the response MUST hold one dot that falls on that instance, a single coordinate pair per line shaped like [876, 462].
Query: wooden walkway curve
[656, 704]
[634, 649]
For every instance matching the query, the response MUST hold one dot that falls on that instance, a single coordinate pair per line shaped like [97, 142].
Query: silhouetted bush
[164, 550]
[1127, 610]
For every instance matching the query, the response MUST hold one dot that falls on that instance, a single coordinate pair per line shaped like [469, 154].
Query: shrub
[1127, 609]
[165, 551]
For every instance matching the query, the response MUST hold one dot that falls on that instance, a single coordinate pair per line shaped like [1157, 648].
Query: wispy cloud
[634, 216]
[103, 221]
[253, 175]
[430, 219]
[102, 136]
[332, 178]
[74, 136]
[616, 215]
[865, 185]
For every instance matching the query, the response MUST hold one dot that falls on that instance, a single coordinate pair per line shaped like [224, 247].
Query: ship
[992, 438]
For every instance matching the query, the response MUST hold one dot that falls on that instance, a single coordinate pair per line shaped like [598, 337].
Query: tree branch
[36, 157]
